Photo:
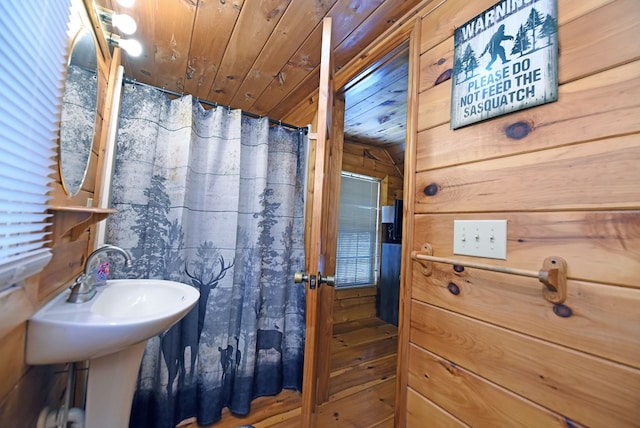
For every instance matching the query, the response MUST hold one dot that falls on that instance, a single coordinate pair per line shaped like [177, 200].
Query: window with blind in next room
[357, 259]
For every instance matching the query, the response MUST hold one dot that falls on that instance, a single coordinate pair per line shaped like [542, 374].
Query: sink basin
[111, 331]
[123, 312]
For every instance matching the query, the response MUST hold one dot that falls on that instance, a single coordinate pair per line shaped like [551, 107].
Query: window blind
[357, 254]
[33, 44]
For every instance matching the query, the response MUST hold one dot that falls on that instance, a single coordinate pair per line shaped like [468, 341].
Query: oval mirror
[78, 118]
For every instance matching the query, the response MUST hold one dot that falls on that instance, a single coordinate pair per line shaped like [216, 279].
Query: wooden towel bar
[553, 273]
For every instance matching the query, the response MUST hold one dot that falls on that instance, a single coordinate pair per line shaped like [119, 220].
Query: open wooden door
[320, 235]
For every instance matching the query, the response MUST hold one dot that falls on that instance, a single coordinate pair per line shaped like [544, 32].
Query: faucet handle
[79, 280]
[81, 290]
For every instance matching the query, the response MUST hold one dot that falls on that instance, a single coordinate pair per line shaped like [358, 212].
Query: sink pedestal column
[110, 389]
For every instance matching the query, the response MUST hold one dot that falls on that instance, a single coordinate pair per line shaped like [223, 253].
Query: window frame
[374, 235]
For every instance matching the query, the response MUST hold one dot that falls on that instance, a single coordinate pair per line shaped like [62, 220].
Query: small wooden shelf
[78, 219]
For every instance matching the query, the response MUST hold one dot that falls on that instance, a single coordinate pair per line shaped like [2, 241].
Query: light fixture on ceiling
[133, 47]
[122, 22]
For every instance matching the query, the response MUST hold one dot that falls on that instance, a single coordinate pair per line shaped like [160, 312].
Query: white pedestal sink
[110, 331]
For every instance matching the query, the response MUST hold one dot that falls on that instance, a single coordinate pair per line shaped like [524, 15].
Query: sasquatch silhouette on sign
[494, 47]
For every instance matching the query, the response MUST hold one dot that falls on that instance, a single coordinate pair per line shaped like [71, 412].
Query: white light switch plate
[480, 238]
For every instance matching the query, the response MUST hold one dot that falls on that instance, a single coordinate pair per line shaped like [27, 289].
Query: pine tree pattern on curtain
[213, 199]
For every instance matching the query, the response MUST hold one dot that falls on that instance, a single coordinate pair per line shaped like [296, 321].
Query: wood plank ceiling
[262, 56]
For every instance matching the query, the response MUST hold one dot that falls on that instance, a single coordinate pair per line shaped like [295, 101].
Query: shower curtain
[214, 199]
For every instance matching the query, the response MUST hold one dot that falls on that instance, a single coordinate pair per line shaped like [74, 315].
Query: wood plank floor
[362, 388]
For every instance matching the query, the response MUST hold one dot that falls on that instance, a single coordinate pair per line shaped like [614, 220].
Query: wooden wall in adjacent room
[352, 304]
[496, 354]
[374, 162]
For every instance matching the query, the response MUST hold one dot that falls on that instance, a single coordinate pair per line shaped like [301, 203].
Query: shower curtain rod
[213, 104]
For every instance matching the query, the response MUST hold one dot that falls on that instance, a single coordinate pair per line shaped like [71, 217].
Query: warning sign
[505, 59]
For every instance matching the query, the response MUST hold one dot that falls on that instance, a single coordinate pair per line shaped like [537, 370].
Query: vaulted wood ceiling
[262, 56]
[376, 106]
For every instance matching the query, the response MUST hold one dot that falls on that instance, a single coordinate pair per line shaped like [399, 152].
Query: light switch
[480, 238]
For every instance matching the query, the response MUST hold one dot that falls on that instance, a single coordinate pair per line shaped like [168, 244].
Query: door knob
[300, 277]
[329, 280]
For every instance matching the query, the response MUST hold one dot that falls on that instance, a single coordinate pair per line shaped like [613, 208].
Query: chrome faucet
[83, 289]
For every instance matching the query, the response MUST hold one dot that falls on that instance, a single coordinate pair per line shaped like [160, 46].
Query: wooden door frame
[404, 310]
[405, 29]
[408, 30]
[329, 245]
[317, 241]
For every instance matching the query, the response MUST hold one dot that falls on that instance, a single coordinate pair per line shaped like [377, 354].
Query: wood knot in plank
[518, 130]
[562, 311]
[431, 189]
[446, 75]
[453, 288]
[190, 72]
[450, 367]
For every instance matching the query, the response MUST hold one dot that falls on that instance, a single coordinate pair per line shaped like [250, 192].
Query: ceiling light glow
[124, 23]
